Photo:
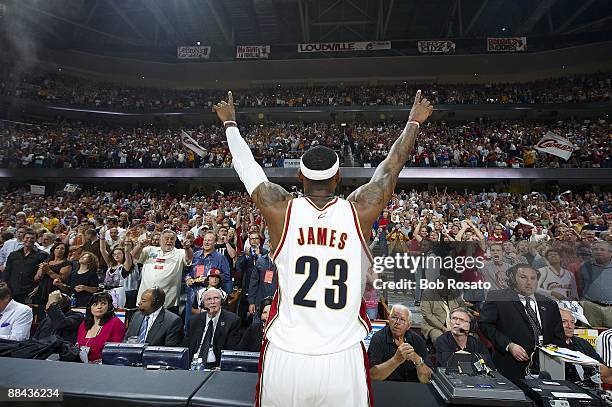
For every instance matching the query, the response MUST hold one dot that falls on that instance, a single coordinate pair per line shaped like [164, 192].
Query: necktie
[207, 341]
[533, 319]
[143, 330]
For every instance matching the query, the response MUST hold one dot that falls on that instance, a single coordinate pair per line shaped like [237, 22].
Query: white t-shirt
[163, 270]
[565, 284]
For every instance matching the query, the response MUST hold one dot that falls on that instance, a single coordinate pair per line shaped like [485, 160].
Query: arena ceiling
[148, 24]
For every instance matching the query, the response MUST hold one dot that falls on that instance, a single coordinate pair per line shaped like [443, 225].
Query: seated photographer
[398, 354]
[578, 373]
[253, 336]
[60, 320]
[459, 339]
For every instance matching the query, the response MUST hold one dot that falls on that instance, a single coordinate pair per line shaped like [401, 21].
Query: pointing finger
[230, 98]
[417, 98]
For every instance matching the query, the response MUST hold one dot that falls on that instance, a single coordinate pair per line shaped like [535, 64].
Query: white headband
[318, 175]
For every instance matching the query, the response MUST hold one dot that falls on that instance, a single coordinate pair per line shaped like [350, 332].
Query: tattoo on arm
[268, 194]
[380, 188]
[370, 194]
[388, 171]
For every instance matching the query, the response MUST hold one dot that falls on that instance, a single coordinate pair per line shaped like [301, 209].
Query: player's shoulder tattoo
[269, 193]
[371, 194]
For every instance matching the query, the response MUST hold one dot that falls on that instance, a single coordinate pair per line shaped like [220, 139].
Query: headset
[473, 323]
[158, 297]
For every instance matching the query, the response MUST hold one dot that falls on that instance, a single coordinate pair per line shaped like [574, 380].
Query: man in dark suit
[152, 323]
[212, 331]
[516, 320]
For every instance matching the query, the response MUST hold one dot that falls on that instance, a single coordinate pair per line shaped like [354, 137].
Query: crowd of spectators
[482, 144]
[215, 246]
[68, 90]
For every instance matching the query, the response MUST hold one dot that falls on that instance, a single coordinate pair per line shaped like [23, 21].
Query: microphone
[464, 331]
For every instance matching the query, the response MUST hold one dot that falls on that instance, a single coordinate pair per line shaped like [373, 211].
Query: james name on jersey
[322, 237]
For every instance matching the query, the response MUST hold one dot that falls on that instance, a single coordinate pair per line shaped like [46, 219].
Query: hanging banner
[511, 44]
[196, 52]
[37, 189]
[555, 145]
[70, 188]
[439, 47]
[253, 51]
[344, 46]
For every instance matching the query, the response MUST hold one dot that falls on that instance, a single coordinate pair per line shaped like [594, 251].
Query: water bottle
[73, 301]
[196, 364]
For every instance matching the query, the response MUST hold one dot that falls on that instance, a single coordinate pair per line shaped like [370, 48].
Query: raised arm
[372, 197]
[102, 239]
[270, 198]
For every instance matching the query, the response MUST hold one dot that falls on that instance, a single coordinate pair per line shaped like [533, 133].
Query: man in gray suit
[154, 325]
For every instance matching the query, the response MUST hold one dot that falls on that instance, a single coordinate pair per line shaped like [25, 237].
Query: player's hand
[252, 309]
[518, 352]
[421, 109]
[189, 281]
[225, 110]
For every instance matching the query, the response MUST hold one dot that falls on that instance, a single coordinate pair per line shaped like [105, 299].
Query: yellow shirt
[51, 223]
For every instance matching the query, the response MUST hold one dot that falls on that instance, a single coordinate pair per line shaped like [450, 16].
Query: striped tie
[533, 319]
[142, 335]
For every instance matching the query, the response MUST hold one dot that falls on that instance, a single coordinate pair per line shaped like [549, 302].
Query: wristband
[414, 122]
[229, 123]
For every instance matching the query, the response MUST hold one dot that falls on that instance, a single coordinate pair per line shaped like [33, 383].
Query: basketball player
[313, 354]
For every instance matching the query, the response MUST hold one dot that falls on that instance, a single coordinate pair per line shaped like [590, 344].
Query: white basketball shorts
[296, 380]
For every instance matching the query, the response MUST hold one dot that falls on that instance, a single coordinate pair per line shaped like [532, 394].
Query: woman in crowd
[122, 273]
[84, 282]
[57, 267]
[100, 326]
[253, 336]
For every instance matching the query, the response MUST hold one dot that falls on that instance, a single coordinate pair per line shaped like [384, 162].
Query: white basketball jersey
[322, 260]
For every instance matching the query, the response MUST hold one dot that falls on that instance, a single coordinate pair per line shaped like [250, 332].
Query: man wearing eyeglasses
[398, 354]
[459, 339]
